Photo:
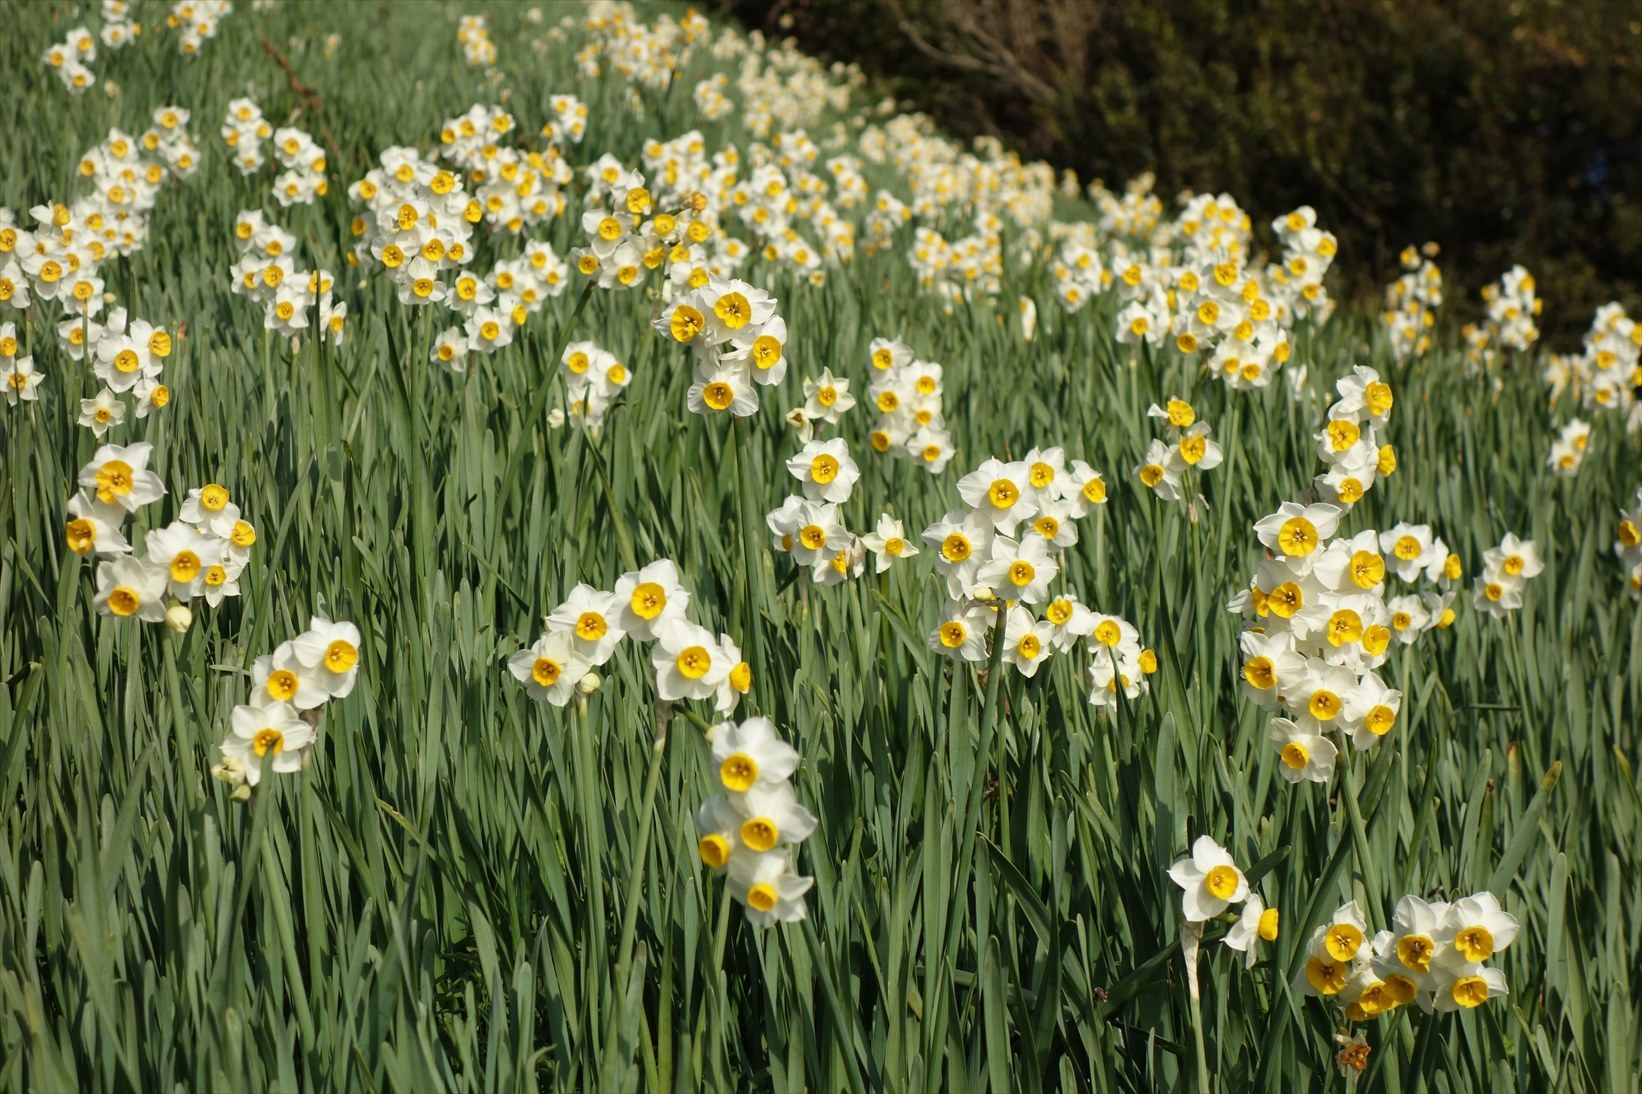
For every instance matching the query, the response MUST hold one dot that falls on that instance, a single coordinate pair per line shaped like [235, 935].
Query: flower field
[576, 548]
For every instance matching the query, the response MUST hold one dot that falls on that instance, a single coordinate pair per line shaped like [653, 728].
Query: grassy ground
[438, 901]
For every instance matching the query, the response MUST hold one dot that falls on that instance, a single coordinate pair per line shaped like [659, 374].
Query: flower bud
[589, 683]
[179, 618]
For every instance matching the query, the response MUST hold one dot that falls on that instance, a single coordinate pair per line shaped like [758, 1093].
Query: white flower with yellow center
[267, 733]
[766, 886]
[1027, 642]
[751, 754]
[1068, 621]
[549, 669]
[1270, 666]
[1297, 531]
[649, 597]
[210, 509]
[1514, 561]
[279, 677]
[1083, 487]
[1019, 570]
[1256, 922]
[128, 587]
[688, 661]
[827, 398]
[1302, 755]
[94, 528]
[185, 553]
[1000, 491]
[331, 651]
[118, 475]
[825, 470]
[888, 543]
[1210, 881]
[592, 618]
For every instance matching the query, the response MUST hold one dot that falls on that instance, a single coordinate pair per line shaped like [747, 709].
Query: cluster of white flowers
[119, 29]
[199, 555]
[19, 379]
[1080, 275]
[1241, 320]
[751, 829]
[644, 54]
[1188, 281]
[1350, 444]
[709, 98]
[58, 261]
[592, 377]
[197, 21]
[267, 273]
[1627, 547]
[1411, 303]
[126, 357]
[737, 340]
[277, 725]
[960, 269]
[1135, 214]
[622, 245]
[515, 189]
[1607, 376]
[569, 124]
[908, 393]
[70, 60]
[1568, 451]
[1513, 310]
[303, 180]
[243, 131]
[1210, 883]
[1189, 447]
[1001, 551]
[809, 527]
[1413, 554]
[418, 223]
[1505, 573]
[1324, 626]
[474, 37]
[1433, 954]
[1323, 632]
[649, 606]
[58, 258]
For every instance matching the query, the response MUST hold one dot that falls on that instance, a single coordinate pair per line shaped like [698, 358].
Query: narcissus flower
[888, 543]
[648, 597]
[129, 587]
[119, 476]
[549, 669]
[268, 733]
[1210, 881]
[1257, 922]
[331, 651]
[593, 619]
[751, 754]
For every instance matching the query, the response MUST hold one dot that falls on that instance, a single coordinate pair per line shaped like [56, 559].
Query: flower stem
[635, 883]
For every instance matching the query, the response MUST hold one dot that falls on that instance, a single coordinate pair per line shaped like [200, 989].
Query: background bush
[1505, 132]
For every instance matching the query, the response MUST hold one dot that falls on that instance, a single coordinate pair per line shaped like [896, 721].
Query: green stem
[977, 783]
[830, 993]
[587, 778]
[1197, 1039]
[752, 566]
[635, 883]
[716, 1027]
